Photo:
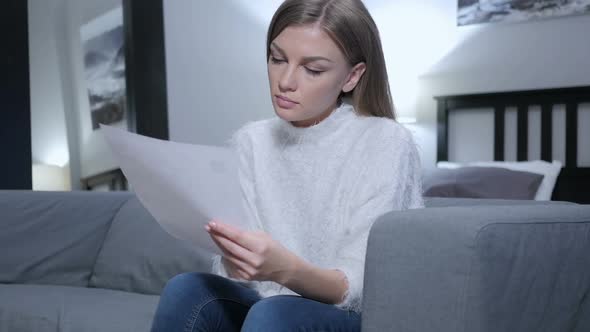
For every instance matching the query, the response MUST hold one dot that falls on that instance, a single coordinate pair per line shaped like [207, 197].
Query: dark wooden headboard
[573, 183]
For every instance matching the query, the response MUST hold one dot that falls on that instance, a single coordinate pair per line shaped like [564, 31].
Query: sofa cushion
[53, 237]
[42, 308]
[139, 256]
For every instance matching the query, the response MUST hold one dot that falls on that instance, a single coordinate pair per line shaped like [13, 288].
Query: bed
[573, 183]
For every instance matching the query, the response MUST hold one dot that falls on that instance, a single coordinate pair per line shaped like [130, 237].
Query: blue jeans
[207, 302]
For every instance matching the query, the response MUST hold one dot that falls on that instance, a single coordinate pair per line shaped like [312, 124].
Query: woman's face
[307, 71]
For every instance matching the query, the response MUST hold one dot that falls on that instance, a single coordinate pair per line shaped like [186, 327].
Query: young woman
[315, 178]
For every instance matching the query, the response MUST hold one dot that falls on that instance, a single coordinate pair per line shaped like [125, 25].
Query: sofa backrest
[451, 201]
[139, 256]
[53, 237]
[89, 239]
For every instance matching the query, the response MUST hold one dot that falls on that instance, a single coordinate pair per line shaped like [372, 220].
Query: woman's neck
[291, 134]
[314, 121]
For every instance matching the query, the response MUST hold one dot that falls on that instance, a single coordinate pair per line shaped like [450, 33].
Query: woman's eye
[313, 72]
[275, 60]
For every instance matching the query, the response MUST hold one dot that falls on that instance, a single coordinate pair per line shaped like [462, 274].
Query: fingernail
[207, 228]
[212, 224]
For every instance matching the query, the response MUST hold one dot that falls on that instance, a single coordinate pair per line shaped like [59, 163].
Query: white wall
[49, 140]
[216, 70]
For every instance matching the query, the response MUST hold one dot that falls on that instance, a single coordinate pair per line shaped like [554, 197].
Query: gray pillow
[139, 256]
[481, 182]
[53, 237]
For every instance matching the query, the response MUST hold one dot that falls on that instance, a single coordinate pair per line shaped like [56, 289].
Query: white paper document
[182, 185]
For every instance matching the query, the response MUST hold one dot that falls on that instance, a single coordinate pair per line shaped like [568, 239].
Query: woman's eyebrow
[305, 59]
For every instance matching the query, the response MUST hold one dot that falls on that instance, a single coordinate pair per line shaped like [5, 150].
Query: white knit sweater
[317, 190]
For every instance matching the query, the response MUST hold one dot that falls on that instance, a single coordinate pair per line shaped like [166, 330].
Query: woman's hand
[253, 255]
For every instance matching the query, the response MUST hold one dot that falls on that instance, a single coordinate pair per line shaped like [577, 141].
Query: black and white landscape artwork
[485, 11]
[104, 68]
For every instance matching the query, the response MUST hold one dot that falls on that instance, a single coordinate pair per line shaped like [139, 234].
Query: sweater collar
[292, 134]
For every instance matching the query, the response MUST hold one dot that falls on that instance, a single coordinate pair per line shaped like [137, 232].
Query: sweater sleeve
[390, 181]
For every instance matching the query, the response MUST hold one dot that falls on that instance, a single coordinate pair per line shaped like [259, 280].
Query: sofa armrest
[482, 268]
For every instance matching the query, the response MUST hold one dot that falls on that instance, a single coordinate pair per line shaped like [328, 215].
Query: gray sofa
[84, 261]
[80, 261]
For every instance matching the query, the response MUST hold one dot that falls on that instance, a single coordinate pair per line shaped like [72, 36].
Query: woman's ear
[354, 77]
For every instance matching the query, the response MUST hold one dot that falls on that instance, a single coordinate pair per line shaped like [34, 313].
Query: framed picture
[121, 57]
[104, 68]
[486, 11]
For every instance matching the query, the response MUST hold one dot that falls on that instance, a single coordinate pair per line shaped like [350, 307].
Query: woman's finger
[228, 257]
[241, 265]
[219, 245]
[244, 275]
[235, 249]
[234, 234]
[234, 271]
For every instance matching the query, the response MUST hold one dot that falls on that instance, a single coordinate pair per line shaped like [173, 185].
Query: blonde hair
[352, 28]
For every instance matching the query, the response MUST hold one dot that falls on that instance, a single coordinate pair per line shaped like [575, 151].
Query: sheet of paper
[182, 185]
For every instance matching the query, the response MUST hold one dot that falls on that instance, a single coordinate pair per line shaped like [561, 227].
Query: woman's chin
[287, 115]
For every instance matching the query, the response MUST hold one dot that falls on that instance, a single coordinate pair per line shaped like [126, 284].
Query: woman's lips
[284, 102]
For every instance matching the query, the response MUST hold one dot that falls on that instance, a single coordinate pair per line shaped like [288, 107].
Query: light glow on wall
[55, 155]
[51, 178]
[415, 36]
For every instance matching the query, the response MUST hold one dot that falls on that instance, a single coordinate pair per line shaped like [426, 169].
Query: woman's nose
[287, 81]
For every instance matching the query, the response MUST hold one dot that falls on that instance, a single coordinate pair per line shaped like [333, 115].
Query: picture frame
[142, 108]
[104, 68]
[494, 11]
